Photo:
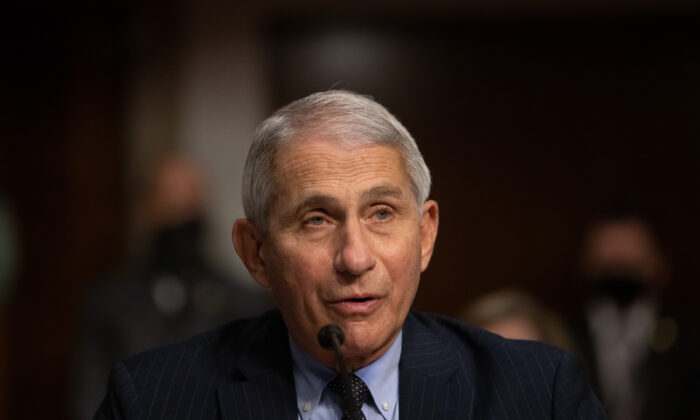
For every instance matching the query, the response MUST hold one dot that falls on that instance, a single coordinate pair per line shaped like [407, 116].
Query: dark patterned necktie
[359, 393]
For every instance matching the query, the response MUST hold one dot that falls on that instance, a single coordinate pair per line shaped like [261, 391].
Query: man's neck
[353, 361]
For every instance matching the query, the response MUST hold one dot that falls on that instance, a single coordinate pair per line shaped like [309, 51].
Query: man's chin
[362, 347]
[361, 337]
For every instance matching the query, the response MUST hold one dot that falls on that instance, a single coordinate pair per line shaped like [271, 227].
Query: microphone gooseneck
[331, 337]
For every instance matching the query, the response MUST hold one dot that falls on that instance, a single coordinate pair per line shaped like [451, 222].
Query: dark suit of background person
[342, 237]
[642, 359]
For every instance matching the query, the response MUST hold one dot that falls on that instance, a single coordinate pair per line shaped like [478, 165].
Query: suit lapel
[261, 384]
[430, 386]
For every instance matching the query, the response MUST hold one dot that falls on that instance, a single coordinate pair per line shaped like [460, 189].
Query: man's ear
[428, 229]
[248, 243]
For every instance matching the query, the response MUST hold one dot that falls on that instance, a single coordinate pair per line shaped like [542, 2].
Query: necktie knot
[359, 392]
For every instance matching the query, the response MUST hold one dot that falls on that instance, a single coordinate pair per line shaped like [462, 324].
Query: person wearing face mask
[168, 293]
[640, 357]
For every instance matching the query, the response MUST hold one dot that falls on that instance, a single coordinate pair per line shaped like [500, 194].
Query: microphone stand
[331, 337]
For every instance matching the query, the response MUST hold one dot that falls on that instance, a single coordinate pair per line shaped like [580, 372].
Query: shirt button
[306, 407]
[385, 406]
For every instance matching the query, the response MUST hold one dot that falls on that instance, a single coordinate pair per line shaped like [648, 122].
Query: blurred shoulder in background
[517, 315]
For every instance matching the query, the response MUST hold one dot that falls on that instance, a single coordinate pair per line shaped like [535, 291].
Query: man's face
[346, 245]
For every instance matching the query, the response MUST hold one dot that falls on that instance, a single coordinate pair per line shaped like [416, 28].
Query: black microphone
[331, 337]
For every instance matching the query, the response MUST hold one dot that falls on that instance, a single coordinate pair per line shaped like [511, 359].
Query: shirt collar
[381, 377]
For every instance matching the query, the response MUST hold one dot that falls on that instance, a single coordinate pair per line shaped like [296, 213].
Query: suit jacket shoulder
[451, 370]
[228, 372]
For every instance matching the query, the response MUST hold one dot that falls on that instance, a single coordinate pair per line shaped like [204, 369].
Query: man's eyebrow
[315, 201]
[382, 191]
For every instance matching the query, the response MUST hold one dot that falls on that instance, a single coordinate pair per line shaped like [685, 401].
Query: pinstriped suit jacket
[447, 371]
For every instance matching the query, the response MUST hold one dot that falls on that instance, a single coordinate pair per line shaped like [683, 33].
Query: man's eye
[382, 214]
[316, 221]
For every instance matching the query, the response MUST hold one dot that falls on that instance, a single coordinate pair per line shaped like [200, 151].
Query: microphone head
[326, 335]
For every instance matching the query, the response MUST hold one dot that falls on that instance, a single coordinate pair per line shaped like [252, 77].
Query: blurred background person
[518, 315]
[170, 292]
[643, 359]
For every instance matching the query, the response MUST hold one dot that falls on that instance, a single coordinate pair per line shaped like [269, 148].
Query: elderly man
[339, 228]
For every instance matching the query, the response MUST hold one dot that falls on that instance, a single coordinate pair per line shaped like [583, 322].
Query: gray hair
[346, 117]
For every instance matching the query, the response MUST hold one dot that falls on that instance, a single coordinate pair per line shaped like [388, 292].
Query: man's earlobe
[248, 244]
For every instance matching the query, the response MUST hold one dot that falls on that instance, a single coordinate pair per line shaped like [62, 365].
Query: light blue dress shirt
[316, 403]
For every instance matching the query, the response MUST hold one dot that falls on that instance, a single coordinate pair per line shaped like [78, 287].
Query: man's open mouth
[363, 299]
[357, 304]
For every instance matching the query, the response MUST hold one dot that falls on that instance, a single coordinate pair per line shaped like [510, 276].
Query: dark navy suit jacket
[447, 371]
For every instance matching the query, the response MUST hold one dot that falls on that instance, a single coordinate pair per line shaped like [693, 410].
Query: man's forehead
[314, 172]
[319, 156]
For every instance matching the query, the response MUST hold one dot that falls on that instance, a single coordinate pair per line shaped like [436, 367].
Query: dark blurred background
[533, 116]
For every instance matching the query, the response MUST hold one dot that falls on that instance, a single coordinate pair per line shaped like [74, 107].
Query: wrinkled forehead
[311, 143]
[318, 167]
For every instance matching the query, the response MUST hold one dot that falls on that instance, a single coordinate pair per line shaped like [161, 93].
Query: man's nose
[354, 254]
